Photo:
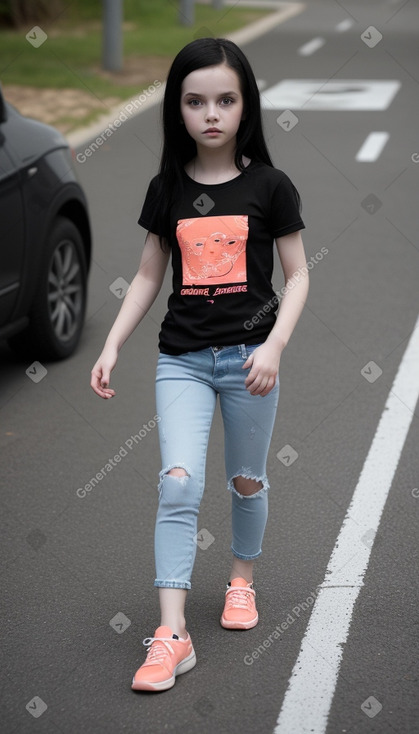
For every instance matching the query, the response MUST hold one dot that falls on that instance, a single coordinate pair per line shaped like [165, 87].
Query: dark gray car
[45, 239]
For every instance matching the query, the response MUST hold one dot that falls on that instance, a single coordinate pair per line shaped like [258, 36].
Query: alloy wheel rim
[65, 291]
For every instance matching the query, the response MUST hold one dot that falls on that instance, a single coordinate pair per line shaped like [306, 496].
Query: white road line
[262, 84]
[372, 147]
[307, 702]
[312, 46]
[344, 25]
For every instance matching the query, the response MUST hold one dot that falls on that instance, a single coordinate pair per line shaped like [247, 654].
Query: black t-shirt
[221, 238]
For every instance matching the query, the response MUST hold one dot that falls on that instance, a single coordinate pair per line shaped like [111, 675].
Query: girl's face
[211, 105]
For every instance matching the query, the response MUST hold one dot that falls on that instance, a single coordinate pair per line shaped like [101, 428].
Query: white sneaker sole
[182, 667]
[239, 625]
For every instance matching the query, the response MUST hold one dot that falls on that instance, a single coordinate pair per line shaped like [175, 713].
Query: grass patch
[70, 58]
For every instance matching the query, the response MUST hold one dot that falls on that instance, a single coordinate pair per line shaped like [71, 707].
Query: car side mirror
[3, 109]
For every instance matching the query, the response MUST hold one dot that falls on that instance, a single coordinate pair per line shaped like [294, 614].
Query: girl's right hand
[101, 373]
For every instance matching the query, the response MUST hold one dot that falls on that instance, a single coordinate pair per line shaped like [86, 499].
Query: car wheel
[57, 313]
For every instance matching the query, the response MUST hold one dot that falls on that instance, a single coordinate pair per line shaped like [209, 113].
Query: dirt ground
[68, 109]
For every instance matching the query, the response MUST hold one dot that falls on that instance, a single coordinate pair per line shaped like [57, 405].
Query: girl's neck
[213, 166]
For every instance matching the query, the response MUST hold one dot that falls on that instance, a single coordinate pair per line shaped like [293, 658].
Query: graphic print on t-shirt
[213, 249]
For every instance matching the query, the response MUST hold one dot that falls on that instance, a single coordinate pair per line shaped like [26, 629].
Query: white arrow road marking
[372, 147]
[330, 94]
[309, 696]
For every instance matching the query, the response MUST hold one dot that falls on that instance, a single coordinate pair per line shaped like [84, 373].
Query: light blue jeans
[186, 393]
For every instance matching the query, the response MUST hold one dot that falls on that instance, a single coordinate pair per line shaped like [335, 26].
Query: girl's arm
[265, 359]
[138, 300]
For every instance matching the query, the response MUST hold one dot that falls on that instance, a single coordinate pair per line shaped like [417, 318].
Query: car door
[12, 231]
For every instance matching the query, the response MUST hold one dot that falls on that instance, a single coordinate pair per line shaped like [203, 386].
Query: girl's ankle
[178, 629]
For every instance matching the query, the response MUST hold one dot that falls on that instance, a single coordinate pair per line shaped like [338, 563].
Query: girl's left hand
[264, 363]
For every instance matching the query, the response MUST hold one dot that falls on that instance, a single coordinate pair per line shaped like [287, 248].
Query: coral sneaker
[240, 606]
[168, 656]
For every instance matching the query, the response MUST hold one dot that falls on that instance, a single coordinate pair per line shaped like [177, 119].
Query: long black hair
[178, 146]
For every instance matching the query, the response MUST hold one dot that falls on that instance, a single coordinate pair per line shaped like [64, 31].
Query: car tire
[57, 313]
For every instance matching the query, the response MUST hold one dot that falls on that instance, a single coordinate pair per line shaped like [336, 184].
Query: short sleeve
[149, 217]
[285, 216]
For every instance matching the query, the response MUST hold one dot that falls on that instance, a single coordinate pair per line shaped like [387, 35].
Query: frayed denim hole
[248, 475]
[165, 473]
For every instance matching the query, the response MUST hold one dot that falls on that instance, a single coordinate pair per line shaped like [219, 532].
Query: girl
[216, 207]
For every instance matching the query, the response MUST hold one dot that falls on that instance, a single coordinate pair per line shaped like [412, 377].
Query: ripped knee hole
[247, 487]
[177, 471]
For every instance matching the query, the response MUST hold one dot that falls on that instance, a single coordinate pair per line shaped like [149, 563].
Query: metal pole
[112, 35]
[187, 12]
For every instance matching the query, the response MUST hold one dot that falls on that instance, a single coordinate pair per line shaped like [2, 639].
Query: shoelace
[240, 596]
[157, 653]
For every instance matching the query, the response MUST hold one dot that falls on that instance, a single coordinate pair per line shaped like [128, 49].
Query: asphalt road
[77, 571]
